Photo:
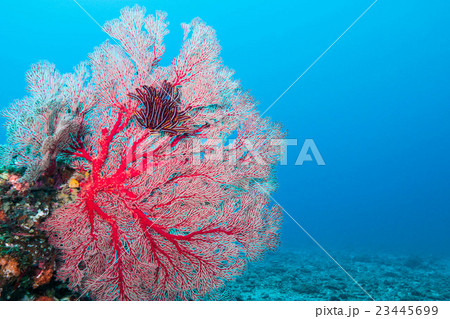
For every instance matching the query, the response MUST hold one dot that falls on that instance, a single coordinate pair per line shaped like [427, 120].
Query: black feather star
[159, 109]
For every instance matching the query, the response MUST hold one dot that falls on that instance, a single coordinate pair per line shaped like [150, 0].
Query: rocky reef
[27, 261]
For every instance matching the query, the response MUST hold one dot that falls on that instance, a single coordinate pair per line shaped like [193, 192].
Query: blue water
[376, 104]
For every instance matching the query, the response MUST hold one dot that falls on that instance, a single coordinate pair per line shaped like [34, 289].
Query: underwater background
[376, 106]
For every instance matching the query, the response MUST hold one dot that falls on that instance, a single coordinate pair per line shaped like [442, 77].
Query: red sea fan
[166, 213]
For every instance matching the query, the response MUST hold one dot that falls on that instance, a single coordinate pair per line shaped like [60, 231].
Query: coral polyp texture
[177, 164]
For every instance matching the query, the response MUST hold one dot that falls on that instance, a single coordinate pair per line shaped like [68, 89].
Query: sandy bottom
[296, 275]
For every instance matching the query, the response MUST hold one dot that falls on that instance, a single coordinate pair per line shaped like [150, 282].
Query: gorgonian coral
[40, 126]
[170, 208]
